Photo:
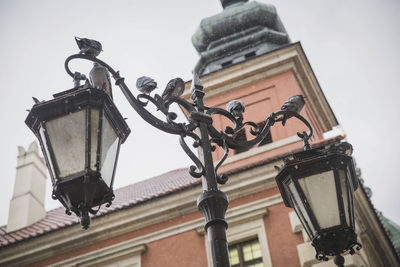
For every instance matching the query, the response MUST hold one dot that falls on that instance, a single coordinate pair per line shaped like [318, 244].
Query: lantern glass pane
[109, 149]
[94, 137]
[46, 151]
[300, 209]
[345, 194]
[320, 192]
[67, 137]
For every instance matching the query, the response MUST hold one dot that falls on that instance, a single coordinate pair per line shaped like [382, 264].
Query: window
[246, 254]
[268, 138]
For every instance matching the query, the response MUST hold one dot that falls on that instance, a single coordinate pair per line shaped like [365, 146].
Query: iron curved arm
[230, 133]
[296, 115]
[138, 106]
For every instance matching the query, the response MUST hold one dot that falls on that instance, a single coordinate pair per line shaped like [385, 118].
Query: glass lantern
[319, 185]
[80, 132]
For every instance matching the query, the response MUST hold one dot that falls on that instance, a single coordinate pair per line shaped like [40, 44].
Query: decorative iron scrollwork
[198, 115]
[199, 165]
[221, 178]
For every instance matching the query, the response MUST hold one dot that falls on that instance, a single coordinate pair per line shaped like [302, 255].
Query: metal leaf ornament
[236, 108]
[146, 84]
[294, 104]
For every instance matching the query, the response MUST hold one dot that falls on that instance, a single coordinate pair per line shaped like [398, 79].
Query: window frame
[239, 246]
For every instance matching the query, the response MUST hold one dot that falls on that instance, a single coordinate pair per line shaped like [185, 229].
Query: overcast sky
[352, 46]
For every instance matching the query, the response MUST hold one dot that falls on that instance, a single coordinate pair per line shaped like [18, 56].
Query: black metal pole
[212, 202]
[213, 205]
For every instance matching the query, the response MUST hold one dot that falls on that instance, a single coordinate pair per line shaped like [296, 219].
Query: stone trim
[297, 226]
[295, 222]
[34, 164]
[306, 253]
[109, 256]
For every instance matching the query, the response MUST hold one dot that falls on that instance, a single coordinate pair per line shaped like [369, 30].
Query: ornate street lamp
[80, 132]
[319, 185]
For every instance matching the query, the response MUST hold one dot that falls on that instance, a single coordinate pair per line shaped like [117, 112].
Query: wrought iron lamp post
[80, 132]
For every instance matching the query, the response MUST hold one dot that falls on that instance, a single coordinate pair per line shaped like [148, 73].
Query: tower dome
[241, 31]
